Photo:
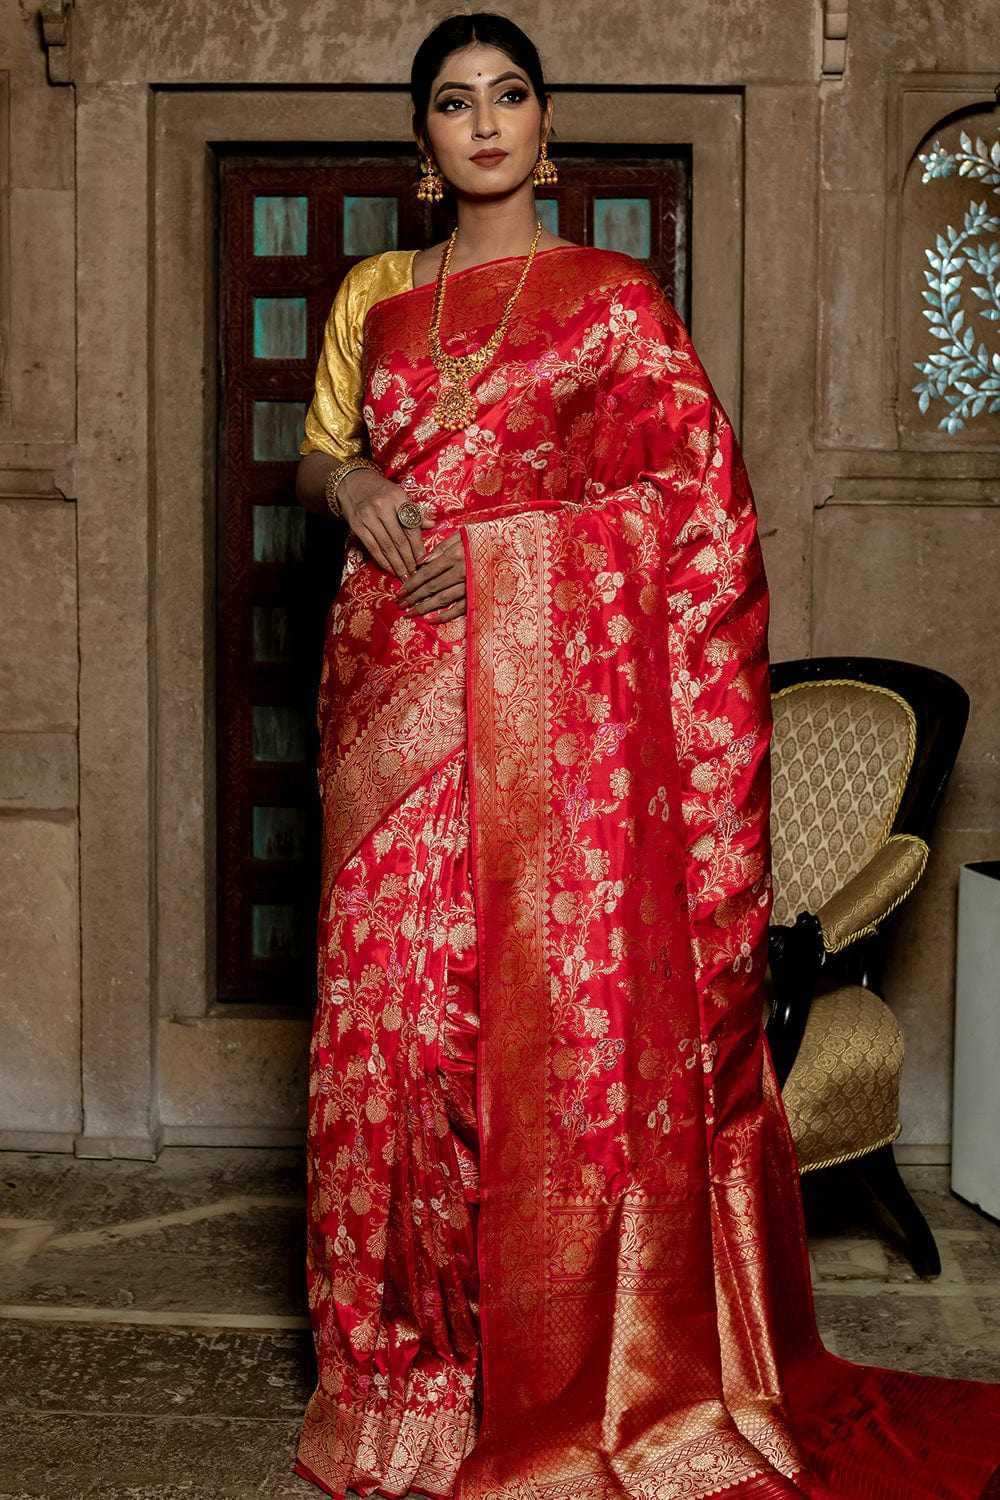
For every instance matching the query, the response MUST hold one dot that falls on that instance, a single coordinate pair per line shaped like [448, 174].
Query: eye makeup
[453, 87]
[458, 102]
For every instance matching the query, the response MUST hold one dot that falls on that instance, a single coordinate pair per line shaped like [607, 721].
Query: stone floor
[154, 1342]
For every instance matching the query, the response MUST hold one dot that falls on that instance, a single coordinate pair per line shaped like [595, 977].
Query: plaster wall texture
[40, 1095]
[226, 1076]
[39, 980]
[289, 41]
[117, 620]
[107, 210]
[36, 233]
[779, 351]
[38, 670]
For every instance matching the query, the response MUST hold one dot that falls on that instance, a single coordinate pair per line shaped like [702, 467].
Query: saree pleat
[391, 1249]
[553, 1195]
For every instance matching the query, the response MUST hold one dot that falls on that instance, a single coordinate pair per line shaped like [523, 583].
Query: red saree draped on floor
[555, 1243]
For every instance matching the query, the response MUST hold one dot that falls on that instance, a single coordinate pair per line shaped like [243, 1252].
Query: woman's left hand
[437, 584]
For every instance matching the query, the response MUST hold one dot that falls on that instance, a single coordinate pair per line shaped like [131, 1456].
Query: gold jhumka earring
[430, 189]
[545, 173]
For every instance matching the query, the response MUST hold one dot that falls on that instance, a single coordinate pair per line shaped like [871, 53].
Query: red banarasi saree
[555, 1243]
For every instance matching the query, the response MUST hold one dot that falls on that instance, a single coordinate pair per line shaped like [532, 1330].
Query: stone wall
[810, 222]
[40, 1015]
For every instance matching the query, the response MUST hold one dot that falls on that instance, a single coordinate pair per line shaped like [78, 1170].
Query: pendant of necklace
[455, 407]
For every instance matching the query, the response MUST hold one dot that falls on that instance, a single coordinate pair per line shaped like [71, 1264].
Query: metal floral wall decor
[964, 371]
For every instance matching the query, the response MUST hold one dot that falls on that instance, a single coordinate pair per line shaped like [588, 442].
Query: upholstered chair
[862, 752]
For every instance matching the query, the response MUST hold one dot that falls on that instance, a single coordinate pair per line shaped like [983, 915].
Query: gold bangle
[340, 473]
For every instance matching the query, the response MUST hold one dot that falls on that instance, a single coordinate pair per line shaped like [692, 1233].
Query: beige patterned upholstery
[864, 902]
[840, 757]
[842, 1095]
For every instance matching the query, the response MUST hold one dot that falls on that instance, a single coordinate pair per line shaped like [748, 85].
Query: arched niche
[948, 294]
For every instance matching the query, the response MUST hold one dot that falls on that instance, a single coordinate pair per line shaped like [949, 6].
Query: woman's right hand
[369, 503]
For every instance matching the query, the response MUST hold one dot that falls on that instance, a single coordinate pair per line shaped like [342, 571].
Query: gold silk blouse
[334, 423]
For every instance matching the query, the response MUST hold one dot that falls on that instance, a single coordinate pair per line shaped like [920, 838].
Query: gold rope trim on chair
[846, 1156]
[873, 894]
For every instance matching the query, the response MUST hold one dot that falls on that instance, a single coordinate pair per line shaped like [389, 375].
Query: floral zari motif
[555, 1244]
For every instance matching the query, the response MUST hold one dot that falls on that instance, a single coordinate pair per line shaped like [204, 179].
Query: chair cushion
[842, 1095]
[840, 758]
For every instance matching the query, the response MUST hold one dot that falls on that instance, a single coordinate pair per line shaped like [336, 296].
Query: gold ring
[410, 515]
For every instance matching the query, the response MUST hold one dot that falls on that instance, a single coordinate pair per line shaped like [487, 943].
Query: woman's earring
[545, 174]
[430, 189]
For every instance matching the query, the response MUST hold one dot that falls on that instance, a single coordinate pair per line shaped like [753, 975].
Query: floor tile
[249, 1260]
[177, 1373]
[99, 1409]
[79, 1195]
[91, 1457]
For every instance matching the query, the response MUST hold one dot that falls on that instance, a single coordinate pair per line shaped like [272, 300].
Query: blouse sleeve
[334, 423]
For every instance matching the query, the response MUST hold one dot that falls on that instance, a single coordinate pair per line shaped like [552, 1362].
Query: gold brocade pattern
[399, 724]
[842, 1095]
[840, 757]
[525, 764]
[394, 1408]
[508, 651]
[574, 941]
[414, 1440]
[877, 889]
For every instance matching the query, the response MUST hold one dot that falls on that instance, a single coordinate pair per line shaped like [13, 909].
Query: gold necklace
[456, 406]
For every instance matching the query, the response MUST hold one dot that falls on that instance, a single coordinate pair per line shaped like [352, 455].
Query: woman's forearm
[310, 481]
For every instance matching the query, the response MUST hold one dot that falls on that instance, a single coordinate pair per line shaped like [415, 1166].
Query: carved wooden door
[290, 228]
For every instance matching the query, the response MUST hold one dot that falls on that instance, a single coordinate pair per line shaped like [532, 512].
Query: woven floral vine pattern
[964, 371]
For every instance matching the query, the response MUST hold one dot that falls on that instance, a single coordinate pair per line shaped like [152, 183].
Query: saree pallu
[555, 1237]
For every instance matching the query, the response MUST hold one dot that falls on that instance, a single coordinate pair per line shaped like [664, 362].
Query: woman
[555, 1246]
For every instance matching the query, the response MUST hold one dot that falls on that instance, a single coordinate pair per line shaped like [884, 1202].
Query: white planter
[975, 1145]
